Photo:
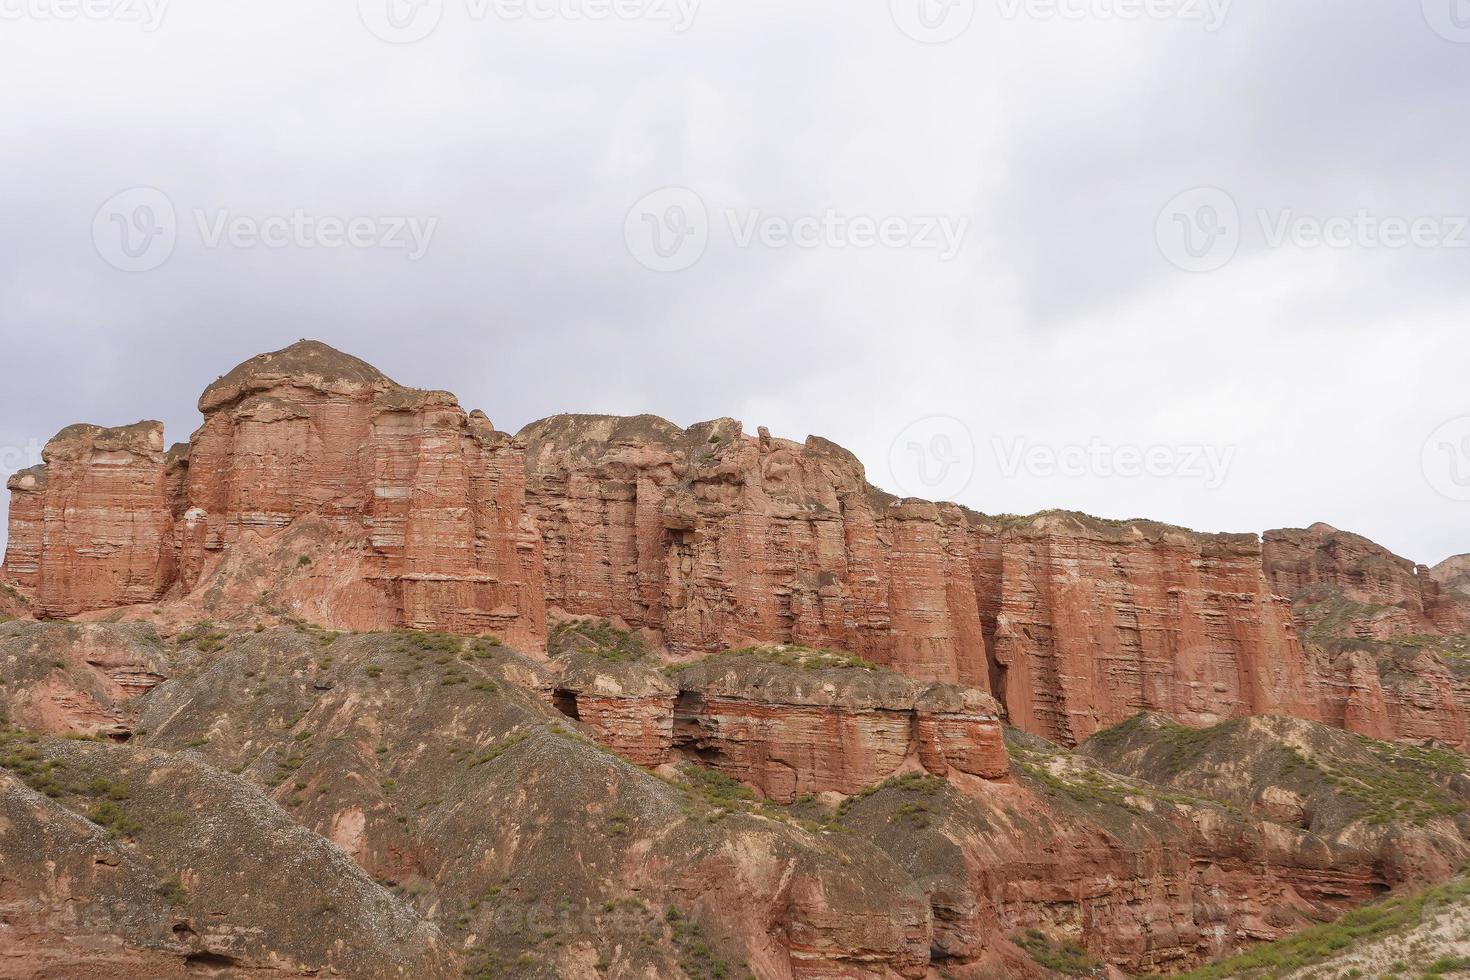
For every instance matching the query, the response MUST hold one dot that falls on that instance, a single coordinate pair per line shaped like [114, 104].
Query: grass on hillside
[1320, 943]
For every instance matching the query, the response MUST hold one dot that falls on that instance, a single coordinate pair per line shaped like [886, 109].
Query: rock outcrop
[316, 481]
[792, 729]
[91, 528]
[709, 538]
[1394, 595]
[318, 488]
[1097, 620]
[65, 679]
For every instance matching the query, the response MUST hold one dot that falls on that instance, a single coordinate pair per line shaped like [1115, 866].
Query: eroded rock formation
[90, 528]
[794, 730]
[319, 488]
[315, 481]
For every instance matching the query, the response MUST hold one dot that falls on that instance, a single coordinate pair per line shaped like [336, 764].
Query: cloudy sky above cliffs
[1200, 261]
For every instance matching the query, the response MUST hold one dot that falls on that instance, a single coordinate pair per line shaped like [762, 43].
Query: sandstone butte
[317, 488]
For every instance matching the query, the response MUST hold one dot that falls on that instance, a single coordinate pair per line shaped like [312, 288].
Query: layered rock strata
[790, 731]
[419, 506]
[708, 538]
[91, 527]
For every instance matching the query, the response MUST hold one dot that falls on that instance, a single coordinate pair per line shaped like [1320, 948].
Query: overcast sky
[1025, 254]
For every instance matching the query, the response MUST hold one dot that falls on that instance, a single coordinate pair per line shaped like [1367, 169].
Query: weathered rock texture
[629, 706]
[794, 730]
[708, 538]
[1098, 620]
[91, 528]
[1404, 597]
[65, 679]
[1386, 637]
[416, 507]
[319, 488]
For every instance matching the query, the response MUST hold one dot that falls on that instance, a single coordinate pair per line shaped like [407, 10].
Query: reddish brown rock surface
[91, 528]
[316, 481]
[318, 488]
[794, 730]
[709, 538]
[1099, 620]
[1322, 561]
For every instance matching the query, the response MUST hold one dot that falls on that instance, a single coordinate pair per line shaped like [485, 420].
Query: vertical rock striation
[91, 528]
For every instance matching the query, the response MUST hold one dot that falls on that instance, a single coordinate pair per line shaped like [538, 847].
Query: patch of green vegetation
[204, 636]
[598, 638]
[114, 819]
[1082, 783]
[715, 788]
[1319, 943]
[697, 958]
[797, 657]
[1405, 784]
[173, 891]
[19, 754]
[485, 758]
[1064, 957]
[414, 641]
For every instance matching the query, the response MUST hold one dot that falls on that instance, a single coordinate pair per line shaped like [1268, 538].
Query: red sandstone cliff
[315, 482]
[709, 538]
[319, 488]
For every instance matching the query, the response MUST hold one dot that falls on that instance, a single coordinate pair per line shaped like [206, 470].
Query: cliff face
[91, 528]
[1322, 562]
[1386, 638]
[1098, 621]
[314, 480]
[709, 539]
[319, 488]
